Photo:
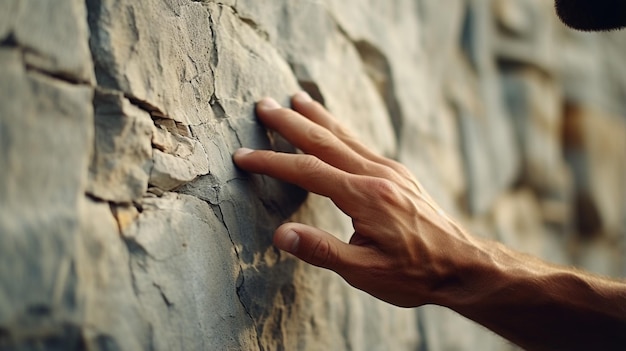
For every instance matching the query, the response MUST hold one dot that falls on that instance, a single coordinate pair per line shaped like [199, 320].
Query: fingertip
[267, 104]
[240, 159]
[287, 240]
[310, 108]
[241, 152]
[302, 97]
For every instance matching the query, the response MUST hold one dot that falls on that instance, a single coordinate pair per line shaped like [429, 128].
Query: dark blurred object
[592, 15]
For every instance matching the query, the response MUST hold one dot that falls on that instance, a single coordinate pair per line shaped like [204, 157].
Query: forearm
[537, 305]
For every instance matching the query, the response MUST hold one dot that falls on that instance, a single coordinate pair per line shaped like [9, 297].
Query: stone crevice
[250, 22]
[66, 78]
[241, 275]
[216, 106]
[246, 309]
[177, 156]
[135, 251]
[152, 109]
[166, 300]
[11, 42]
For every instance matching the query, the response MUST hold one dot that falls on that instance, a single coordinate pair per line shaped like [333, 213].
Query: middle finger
[316, 140]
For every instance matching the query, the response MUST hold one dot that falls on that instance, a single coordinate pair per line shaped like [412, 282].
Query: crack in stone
[11, 42]
[218, 110]
[152, 109]
[250, 23]
[97, 199]
[235, 132]
[134, 251]
[247, 310]
[246, 20]
[166, 300]
[90, 195]
[254, 26]
[151, 338]
[240, 277]
[214, 101]
[66, 78]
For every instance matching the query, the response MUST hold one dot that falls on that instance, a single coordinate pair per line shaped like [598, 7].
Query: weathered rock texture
[125, 226]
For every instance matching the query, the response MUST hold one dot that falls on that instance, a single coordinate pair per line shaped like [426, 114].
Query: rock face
[124, 224]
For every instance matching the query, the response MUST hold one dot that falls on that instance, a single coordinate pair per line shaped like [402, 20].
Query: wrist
[472, 265]
[490, 274]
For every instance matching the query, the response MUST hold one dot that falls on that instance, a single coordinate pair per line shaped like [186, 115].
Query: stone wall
[125, 226]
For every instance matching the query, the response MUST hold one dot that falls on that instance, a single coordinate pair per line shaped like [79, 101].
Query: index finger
[306, 171]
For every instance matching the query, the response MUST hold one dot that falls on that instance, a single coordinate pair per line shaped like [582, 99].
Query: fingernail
[289, 242]
[268, 104]
[303, 97]
[243, 151]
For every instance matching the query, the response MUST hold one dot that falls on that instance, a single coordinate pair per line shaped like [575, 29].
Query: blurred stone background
[125, 226]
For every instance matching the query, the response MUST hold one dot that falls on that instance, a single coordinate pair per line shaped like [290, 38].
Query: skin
[406, 251]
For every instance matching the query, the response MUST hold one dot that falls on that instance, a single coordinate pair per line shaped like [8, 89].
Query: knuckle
[308, 163]
[363, 226]
[320, 138]
[323, 254]
[382, 186]
[388, 173]
[401, 169]
[386, 191]
[341, 132]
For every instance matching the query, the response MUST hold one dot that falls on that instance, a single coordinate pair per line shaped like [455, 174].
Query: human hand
[404, 249]
[407, 252]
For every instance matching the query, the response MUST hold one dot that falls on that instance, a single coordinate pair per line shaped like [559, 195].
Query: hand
[404, 249]
[407, 252]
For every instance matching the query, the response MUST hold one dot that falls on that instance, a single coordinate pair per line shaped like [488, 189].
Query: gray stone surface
[122, 158]
[45, 137]
[53, 37]
[148, 49]
[187, 305]
[124, 224]
[112, 316]
[7, 11]
[534, 106]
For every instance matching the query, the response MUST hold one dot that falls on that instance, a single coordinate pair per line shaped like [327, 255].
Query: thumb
[312, 245]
